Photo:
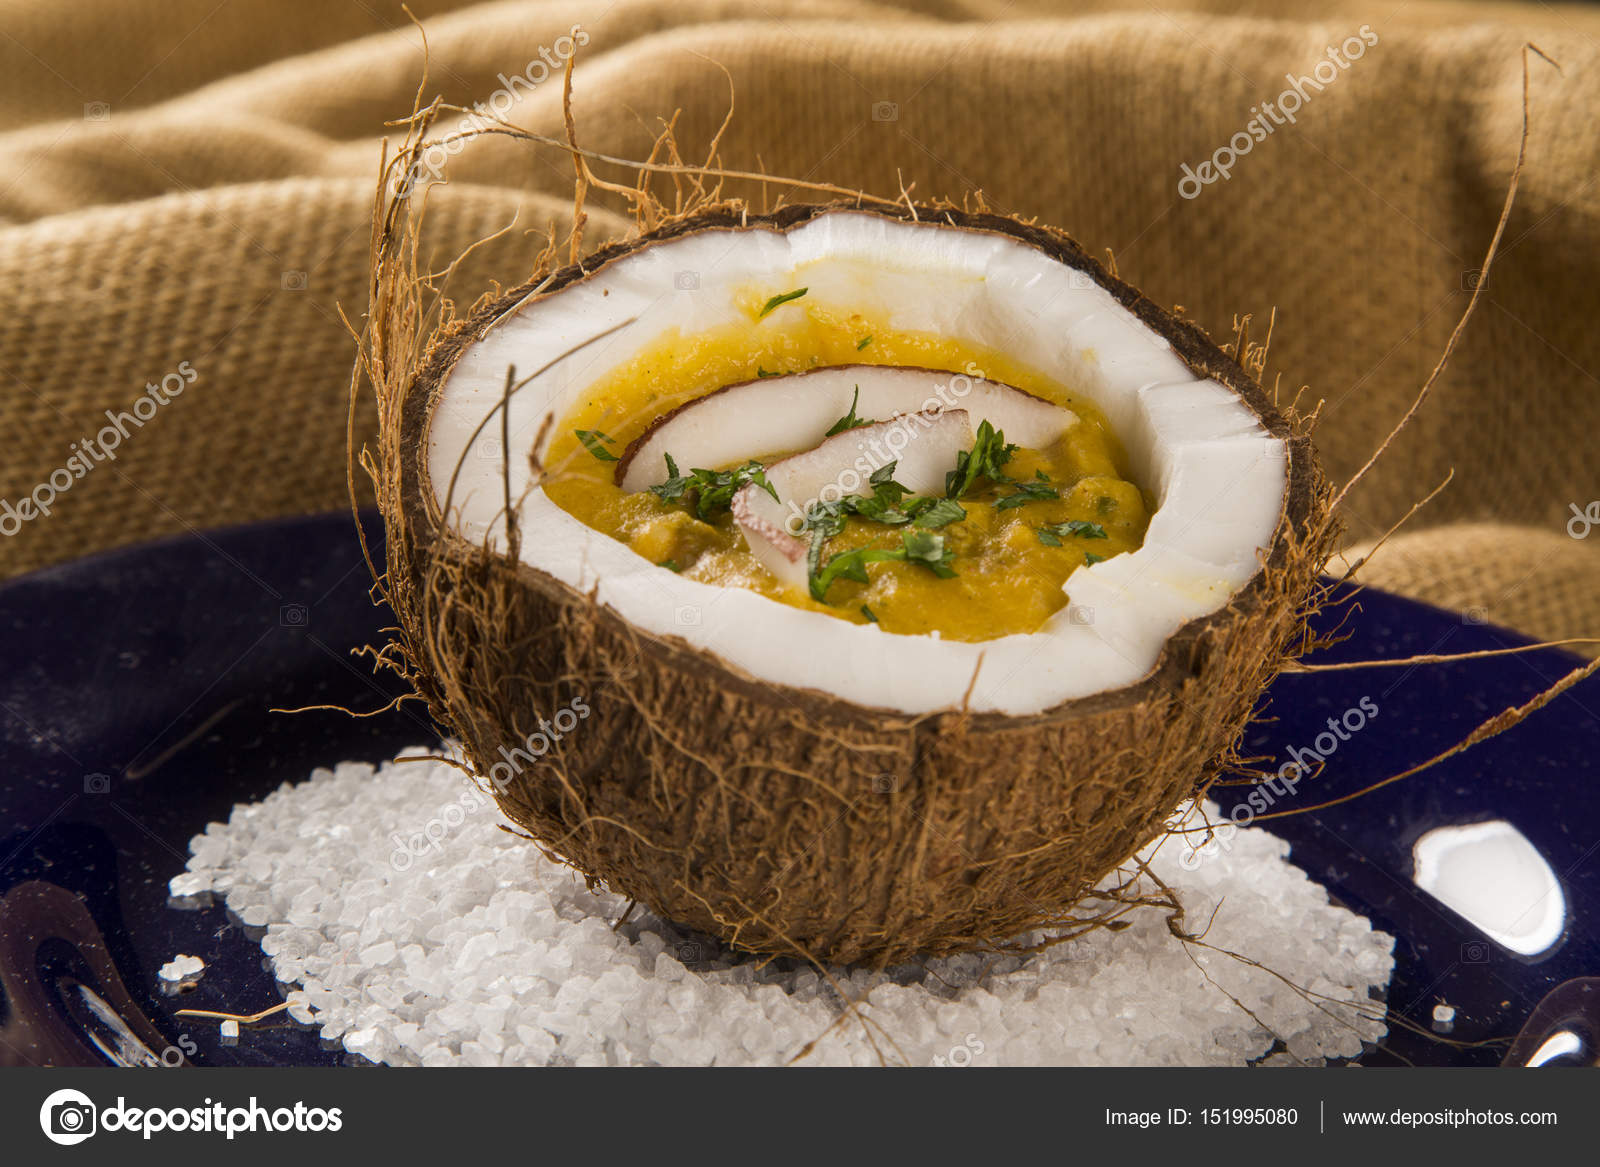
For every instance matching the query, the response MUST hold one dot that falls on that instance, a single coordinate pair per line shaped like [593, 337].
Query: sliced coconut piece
[795, 412]
[922, 447]
[1218, 472]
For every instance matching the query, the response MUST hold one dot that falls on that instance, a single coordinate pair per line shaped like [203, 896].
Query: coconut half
[781, 778]
[1216, 467]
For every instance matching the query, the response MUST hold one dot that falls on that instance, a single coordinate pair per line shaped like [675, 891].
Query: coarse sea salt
[182, 968]
[472, 948]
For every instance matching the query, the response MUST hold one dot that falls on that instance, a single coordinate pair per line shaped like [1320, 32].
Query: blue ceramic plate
[136, 691]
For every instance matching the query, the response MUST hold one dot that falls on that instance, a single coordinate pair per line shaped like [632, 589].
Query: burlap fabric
[186, 189]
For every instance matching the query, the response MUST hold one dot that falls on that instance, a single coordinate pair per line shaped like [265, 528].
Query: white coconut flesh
[1217, 476]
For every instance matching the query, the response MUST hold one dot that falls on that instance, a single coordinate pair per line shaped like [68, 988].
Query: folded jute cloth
[186, 193]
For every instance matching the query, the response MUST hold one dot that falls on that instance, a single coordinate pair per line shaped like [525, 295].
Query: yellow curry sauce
[1008, 576]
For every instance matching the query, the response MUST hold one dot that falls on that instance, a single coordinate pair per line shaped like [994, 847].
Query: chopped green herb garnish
[713, 489]
[871, 616]
[929, 550]
[1105, 504]
[1090, 559]
[883, 505]
[886, 504]
[863, 343]
[1052, 534]
[933, 513]
[814, 553]
[849, 421]
[988, 456]
[850, 565]
[916, 547]
[592, 441]
[825, 518]
[674, 487]
[1026, 492]
[760, 372]
[670, 565]
[1084, 530]
[783, 299]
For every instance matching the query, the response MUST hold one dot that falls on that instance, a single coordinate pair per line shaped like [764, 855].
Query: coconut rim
[433, 536]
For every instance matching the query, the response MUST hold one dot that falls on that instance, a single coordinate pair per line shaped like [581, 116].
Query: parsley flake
[1052, 534]
[782, 299]
[1026, 492]
[593, 442]
[713, 489]
[849, 421]
[986, 459]
[920, 547]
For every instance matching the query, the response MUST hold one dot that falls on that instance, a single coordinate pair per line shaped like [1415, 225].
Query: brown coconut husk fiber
[784, 820]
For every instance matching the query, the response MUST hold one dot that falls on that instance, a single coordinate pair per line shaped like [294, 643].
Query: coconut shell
[786, 820]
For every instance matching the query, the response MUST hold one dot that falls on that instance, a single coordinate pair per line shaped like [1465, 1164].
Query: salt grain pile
[480, 951]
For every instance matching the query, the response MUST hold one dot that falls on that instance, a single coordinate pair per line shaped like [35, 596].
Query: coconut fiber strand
[186, 184]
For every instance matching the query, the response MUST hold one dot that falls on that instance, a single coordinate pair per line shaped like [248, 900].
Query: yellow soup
[1009, 562]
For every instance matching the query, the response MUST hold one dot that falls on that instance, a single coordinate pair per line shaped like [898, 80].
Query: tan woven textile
[186, 189]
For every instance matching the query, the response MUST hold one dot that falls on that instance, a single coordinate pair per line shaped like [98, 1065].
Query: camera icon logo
[1080, 614]
[293, 616]
[67, 1117]
[1080, 279]
[686, 281]
[294, 281]
[1472, 280]
[687, 616]
[1474, 952]
[96, 111]
[884, 784]
[885, 111]
[1475, 616]
[690, 952]
[97, 784]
